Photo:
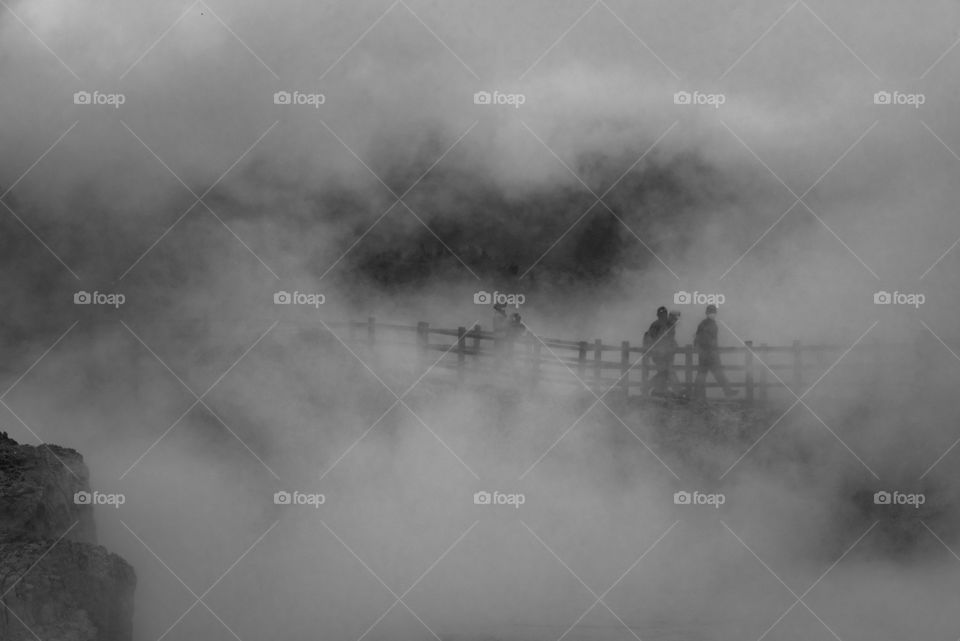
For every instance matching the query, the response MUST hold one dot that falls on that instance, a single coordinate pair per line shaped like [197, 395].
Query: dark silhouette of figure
[669, 342]
[515, 327]
[506, 329]
[656, 340]
[708, 356]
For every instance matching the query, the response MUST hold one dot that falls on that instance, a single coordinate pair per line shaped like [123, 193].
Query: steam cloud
[686, 191]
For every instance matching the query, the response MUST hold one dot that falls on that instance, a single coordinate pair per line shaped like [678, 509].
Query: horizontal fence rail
[752, 369]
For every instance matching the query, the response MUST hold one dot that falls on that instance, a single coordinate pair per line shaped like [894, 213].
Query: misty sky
[303, 183]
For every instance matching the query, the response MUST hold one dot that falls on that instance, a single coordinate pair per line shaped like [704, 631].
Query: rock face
[56, 583]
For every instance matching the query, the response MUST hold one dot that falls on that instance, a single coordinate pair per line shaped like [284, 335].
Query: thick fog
[597, 199]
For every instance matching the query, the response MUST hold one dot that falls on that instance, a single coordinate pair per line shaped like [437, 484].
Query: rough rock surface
[56, 584]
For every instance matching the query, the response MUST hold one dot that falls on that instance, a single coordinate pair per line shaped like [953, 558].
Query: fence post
[625, 368]
[797, 369]
[371, 331]
[597, 360]
[461, 350]
[763, 377]
[688, 367]
[748, 364]
[582, 360]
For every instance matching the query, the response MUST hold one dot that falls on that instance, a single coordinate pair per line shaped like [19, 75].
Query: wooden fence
[597, 364]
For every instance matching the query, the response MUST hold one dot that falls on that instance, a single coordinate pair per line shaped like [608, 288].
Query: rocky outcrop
[56, 583]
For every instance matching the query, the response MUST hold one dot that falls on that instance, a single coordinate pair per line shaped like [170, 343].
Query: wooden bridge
[601, 366]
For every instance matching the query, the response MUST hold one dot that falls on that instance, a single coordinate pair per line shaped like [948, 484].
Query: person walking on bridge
[515, 331]
[516, 328]
[708, 356]
[656, 341]
[657, 327]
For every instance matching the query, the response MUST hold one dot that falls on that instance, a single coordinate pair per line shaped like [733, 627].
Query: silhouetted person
[669, 342]
[656, 328]
[672, 320]
[708, 355]
[515, 327]
[655, 340]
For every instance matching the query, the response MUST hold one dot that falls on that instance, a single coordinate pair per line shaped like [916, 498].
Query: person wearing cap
[657, 327]
[708, 356]
[655, 340]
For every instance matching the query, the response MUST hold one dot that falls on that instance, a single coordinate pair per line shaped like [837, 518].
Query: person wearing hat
[708, 356]
[657, 327]
[655, 340]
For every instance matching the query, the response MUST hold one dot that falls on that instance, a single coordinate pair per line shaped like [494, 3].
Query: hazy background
[701, 201]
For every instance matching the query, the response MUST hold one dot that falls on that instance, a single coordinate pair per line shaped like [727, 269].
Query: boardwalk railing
[597, 364]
